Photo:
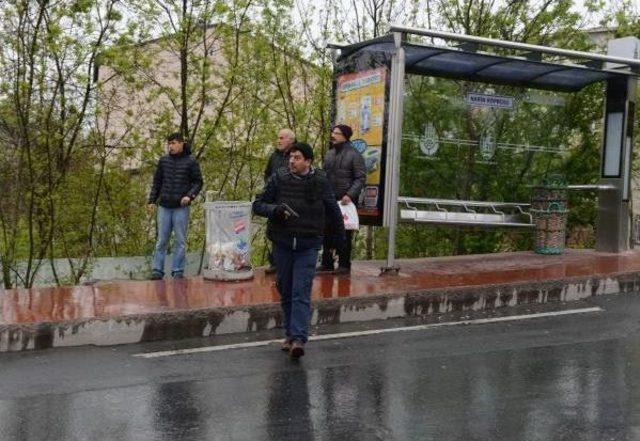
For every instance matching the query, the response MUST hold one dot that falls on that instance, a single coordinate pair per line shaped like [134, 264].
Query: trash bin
[552, 190]
[228, 231]
[549, 211]
[550, 229]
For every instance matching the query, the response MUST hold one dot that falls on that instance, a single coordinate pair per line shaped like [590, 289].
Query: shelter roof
[528, 71]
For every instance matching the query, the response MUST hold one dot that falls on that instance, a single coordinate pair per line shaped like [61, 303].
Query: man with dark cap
[176, 183]
[346, 171]
[299, 203]
[279, 158]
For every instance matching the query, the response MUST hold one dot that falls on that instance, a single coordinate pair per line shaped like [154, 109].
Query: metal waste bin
[228, 241]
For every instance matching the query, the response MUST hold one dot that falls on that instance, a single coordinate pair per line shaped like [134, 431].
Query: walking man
[176, 183]
[346, 171]
[279, 158]
[299, 203]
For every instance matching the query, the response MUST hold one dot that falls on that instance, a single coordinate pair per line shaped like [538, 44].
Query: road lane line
[370, 332]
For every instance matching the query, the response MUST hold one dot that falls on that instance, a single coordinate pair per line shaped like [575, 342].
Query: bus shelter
[369, 90]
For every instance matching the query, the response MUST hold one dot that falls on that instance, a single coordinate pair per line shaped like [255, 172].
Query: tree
[48, 56]
[229, 75]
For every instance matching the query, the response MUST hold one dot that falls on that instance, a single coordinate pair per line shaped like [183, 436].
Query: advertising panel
[360, 103]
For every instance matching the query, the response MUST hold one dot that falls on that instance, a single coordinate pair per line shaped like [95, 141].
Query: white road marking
[369, 332]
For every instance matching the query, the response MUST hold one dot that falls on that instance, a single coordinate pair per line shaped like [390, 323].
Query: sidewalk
[119, 312]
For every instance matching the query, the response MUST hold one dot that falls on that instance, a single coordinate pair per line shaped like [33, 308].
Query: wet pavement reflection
[125, 298]
[288, 390]
[588, 391]
[177, 413]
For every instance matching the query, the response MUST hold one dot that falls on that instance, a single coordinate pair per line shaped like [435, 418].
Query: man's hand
[346, 200]
[185, 201]
[281, 213]
[151, 208]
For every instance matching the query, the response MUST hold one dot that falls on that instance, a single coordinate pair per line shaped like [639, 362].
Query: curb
[177, 325]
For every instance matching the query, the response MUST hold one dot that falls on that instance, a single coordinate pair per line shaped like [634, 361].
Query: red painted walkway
[121, 298]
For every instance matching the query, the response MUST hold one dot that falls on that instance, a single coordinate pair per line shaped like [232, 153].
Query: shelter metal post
[394, 139]
[614, 227]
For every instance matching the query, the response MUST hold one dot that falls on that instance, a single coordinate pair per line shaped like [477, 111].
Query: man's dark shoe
[324, 269]
[297, 349]
[156, 275]
[286, 345]
[342, 270]
[270, 269]
[178, 275]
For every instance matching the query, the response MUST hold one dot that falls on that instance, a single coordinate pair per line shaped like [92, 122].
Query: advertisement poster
[360, 101]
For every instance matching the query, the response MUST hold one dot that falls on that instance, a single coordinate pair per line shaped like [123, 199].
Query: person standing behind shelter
[176, 183]
[346, 171]
[298, 203]
[279, 158]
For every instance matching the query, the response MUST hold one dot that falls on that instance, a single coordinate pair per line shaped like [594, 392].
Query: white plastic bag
[350, 216]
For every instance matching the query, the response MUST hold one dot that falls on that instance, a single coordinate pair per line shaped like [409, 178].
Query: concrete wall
[110, 268]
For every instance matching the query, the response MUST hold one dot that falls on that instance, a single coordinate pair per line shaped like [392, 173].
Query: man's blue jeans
[176, 219]
[295, 270]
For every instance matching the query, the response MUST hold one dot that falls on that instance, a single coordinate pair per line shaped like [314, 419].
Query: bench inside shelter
[464, 213]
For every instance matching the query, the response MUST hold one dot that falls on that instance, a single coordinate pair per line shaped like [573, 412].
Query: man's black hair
[177, 136]
[304, 148]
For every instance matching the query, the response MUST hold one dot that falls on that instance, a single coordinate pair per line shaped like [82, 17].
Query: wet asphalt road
[561, 378]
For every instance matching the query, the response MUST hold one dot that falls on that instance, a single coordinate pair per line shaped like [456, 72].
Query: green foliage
[79, 151]
[229, 88]
[48, 51]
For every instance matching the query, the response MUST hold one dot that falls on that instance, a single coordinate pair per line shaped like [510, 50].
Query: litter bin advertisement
[228, 240]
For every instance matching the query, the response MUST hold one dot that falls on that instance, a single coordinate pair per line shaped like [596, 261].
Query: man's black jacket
[176, 176]
[278, 159]
[267, 201]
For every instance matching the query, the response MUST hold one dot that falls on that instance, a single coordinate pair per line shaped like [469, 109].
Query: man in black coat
[299, 203]
[176, 183]
[346, 171]
[279, 158]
